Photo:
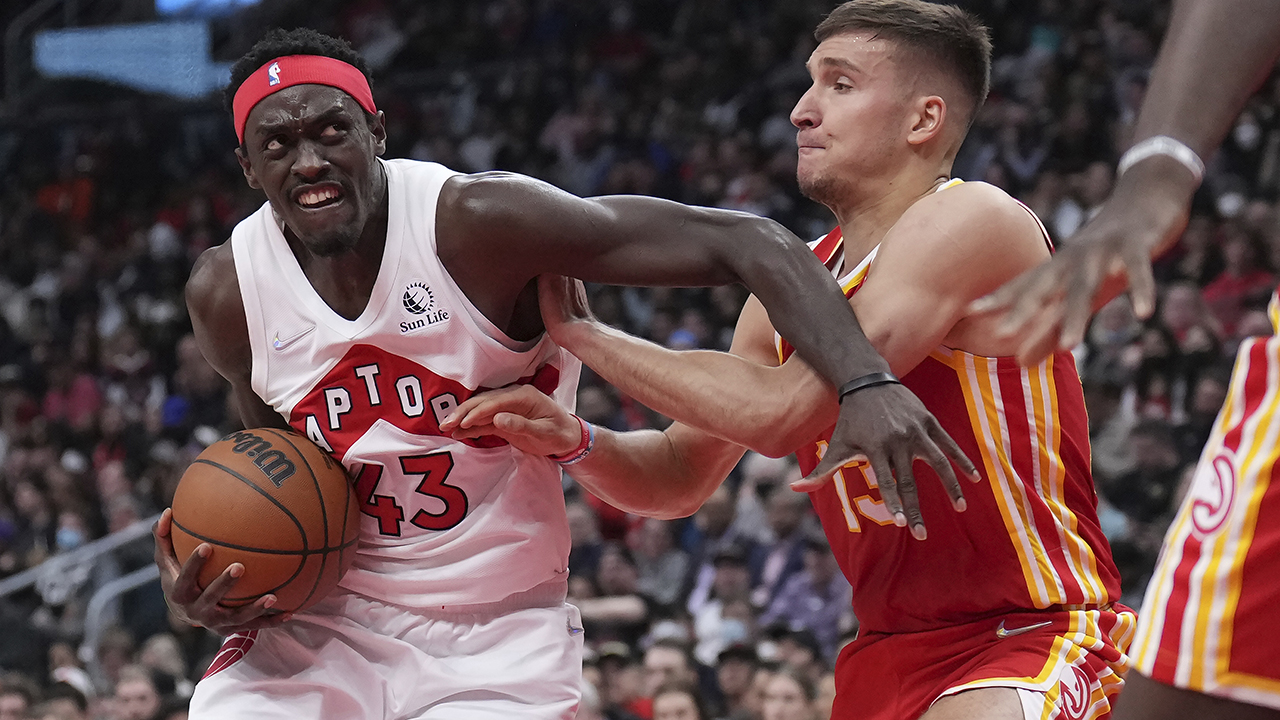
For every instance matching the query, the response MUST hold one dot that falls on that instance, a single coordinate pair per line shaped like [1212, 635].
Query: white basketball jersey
[445, 522]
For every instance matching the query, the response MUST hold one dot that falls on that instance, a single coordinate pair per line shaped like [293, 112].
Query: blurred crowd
[737, 612]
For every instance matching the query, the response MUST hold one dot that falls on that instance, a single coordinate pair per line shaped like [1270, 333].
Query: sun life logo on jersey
[419, 300]
[273, 74]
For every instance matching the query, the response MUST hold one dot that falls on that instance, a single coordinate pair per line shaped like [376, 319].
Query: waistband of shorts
[549, 594]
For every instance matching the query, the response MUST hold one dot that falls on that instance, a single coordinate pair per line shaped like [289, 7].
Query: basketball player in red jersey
[1208, 639]
[361, 303]
[1002, 611]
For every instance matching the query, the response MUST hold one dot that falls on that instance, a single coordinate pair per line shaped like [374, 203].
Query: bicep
[535, 228]
[905, 316]
[222, 334]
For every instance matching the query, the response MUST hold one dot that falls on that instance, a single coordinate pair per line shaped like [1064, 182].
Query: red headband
[292, 70]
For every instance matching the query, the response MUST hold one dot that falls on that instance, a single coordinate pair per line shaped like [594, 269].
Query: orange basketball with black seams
[276, 503]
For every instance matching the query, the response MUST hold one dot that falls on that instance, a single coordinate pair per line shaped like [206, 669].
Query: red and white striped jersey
[1030, 537]
[445, 522]
[1209, 619]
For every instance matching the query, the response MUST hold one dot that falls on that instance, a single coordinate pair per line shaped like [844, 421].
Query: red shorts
[1211, 617]
[1065, 664]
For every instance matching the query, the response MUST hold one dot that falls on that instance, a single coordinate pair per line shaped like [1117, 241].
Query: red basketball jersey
[1030, 537]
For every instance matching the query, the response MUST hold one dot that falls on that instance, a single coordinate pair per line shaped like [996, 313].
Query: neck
[865, 217]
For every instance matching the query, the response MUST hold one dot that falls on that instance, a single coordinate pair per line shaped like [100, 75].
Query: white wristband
[1162, 145]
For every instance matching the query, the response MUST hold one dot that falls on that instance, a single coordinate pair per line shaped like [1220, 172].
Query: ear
[927, 119]
[378, 128]
[249, 175]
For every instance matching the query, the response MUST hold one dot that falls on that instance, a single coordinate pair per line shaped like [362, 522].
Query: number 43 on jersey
[448, 503]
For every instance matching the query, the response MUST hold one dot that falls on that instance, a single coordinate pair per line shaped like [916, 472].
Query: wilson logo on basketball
[419, 300]
[273, 463]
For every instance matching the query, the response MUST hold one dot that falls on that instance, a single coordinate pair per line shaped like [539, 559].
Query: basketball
[276, 503]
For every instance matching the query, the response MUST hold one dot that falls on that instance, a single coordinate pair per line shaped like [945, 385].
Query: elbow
[778, 444]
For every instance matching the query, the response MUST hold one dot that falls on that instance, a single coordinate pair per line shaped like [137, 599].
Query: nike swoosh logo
[1002, 632]
[280, 344]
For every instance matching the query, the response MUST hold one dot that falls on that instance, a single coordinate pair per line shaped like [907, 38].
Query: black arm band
[866, 381]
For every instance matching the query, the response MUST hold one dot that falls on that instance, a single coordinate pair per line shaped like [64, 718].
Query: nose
[309, 162]
[805, 113]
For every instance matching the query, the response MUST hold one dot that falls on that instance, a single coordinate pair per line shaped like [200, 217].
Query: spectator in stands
[787, 513]
[62, 702]
[679, 701]
[18, 694]
[584, 540]
[714, 528]
[663, 566]
[816, 599]
[735, 669]
[618, 611]
[800, 651]
[826, 696]
[726, 617]
[1243, 284]
[622, 682]
[590, 706]
[136, 695]
[789, 695]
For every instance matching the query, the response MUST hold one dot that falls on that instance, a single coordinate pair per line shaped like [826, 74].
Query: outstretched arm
[1214, 56]
[522, 228]
[510, 229]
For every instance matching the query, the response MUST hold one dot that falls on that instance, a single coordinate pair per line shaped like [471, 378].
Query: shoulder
[496, 194]
[977, 208]
[974, 222]
[217, 311]
[213, 280]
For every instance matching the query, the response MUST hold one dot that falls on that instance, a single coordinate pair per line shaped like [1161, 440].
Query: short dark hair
[299, 41]
[689, 690]
[953, 38]
[16, 683]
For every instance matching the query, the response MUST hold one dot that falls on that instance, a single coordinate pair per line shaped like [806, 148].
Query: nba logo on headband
[302, 70]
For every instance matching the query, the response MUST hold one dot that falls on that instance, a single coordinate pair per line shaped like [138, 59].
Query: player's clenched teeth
[319, 197]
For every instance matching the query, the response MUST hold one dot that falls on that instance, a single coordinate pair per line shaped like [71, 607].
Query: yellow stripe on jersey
[1254, 477]
[1205, 630]
[981, 388]
[1040, 387]
[1160, 587]
[1070, 648]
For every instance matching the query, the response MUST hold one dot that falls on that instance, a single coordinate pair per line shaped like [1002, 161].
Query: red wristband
[584, 447]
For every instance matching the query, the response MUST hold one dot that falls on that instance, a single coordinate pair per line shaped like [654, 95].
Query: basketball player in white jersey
[1208, 638]
[360, 305]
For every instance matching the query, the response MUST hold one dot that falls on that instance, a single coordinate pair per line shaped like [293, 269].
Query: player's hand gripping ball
[276, 503]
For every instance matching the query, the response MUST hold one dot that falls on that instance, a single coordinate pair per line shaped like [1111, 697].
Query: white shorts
[352, 657]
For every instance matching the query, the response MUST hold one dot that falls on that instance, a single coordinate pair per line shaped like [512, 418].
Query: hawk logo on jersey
[273, 74]
[1073, 694]
[419, 300]
[1213, 492]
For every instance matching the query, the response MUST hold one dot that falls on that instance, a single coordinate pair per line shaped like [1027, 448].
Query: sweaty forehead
[860, 48]
[300, 104]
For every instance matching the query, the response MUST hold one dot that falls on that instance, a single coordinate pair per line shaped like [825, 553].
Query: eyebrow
[839, 63]
[270, 128]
